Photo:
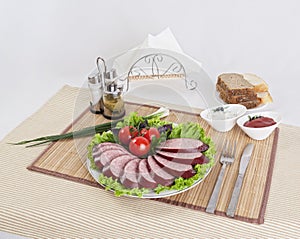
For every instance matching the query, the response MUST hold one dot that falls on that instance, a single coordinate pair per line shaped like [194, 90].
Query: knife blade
[246, 156]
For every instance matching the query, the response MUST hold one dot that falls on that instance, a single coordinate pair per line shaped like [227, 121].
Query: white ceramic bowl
[259, 133]
[223, 120]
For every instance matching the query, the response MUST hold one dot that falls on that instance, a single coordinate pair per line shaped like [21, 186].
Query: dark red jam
[260, 122]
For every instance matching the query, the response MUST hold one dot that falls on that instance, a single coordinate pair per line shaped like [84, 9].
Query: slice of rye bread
[250, 104]
[235, 84]
[234, 99]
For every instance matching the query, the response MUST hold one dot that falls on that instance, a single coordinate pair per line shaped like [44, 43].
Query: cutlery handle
[215, 194]
[235, 196]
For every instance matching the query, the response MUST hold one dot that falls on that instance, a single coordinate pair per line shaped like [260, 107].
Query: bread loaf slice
[260, 87]
[235, 99]
[250, 104]
[235, 84]
[264, 97]
[258, 83]
[234, 89]
[248, 101]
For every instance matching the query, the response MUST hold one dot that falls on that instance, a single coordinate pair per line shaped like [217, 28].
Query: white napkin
[164, 40]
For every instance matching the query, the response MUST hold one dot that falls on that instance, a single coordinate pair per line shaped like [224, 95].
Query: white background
[47, 44]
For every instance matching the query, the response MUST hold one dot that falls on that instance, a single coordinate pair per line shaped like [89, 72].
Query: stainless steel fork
[227, 157]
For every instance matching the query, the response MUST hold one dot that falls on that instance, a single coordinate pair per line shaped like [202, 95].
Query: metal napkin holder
[159, 66]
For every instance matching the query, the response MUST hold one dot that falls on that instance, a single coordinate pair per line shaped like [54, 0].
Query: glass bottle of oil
[113, 103]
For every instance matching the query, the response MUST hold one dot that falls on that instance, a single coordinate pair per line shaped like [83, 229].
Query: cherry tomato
[126, 134]
[139, 146]
[133, 131]
[153, 132]
[145, 133]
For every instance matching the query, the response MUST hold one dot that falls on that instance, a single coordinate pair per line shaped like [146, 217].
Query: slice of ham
[183, 145]
[116, 167]
[100, 148]
[184, 158]
[130, 176]
[106, 157]
[158, 174]
[144, 179]
[202, 160]
[175, 169]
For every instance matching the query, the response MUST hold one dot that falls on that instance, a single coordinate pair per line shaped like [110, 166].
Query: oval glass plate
[259, 107]
[96, 173]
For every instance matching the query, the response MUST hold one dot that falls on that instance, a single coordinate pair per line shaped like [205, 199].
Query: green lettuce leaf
[132, 120]
[135, 120]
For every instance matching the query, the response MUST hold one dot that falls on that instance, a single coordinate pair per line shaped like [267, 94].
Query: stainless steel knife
[238, 184]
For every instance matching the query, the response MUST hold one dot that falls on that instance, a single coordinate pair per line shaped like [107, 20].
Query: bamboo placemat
[67, 159]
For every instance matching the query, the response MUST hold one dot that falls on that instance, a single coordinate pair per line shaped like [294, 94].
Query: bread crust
[250, 104]
[235, 84]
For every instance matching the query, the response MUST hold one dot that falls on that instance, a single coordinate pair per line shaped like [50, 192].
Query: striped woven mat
[67, 159]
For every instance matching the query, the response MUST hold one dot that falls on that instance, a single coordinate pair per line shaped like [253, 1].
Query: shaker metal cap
[111, 74]
[94, 78]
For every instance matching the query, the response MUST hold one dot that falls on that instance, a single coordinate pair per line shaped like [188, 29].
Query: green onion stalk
[88, 131]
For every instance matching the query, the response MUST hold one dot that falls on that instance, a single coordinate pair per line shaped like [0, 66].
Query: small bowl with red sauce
[260, 125]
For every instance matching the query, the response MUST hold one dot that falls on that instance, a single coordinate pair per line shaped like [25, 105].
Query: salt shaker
[96, 91]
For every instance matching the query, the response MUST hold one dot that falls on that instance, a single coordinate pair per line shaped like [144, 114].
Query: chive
[75, 134]
[88, 131]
